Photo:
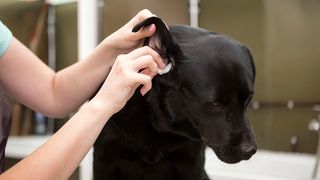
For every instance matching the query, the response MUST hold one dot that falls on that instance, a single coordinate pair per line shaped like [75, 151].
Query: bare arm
[34, 84]
[63, 152]
[56, 94]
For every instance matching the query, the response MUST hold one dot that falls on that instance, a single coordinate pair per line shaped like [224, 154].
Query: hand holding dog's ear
[128, 72]
[124, 40]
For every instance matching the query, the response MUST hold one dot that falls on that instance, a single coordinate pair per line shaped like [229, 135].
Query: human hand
[124, 40]
[129, 72]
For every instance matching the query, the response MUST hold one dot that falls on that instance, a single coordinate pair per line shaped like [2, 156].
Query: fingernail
[151, 28]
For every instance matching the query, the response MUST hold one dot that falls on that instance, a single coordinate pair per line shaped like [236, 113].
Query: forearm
[58, 94]
[61, 154]
[53, 94]
[75, 84]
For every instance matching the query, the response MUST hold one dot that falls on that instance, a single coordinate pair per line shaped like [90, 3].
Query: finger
[144, 14]
[148, 72]
[146, 82]
[145, 88]
[141, 16]
[147, 51]
[144, 32]
[145, 63]
[141, 79]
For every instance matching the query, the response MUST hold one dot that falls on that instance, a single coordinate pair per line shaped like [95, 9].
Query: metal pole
[87, 26]
[51, 53]
[194, 12]
[87, 41]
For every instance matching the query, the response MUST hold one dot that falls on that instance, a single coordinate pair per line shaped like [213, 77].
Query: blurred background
[283, 36]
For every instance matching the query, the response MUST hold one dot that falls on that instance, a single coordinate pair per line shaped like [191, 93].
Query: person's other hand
[129, 72]
[124, 40]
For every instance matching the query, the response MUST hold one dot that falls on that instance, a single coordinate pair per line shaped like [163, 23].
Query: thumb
[144, 32]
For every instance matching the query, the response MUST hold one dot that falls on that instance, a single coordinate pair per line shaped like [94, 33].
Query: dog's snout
[247, 150]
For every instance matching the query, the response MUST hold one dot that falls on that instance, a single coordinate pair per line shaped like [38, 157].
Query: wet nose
[247, 150]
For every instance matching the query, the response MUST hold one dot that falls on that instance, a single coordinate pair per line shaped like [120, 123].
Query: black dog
[201, 102]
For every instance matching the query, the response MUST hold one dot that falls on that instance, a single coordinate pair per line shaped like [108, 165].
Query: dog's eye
[217, 106]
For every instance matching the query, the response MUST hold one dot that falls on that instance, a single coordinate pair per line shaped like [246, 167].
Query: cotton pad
[165, 70]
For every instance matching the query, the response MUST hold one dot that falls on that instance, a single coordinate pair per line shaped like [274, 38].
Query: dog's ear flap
[249, 52]
[161, 41]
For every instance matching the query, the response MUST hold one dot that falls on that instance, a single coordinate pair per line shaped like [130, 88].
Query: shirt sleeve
[5, 38]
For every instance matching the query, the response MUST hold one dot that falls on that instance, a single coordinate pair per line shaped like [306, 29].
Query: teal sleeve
[5, 38]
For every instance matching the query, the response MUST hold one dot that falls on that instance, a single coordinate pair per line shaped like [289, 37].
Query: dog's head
[206, 93]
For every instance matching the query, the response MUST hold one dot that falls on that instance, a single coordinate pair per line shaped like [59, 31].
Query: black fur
[201, 102]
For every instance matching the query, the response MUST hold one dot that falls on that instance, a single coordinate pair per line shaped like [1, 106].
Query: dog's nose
[247, 150]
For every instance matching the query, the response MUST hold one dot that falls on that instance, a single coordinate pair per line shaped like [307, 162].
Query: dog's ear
[248, 51]
[161, 41]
